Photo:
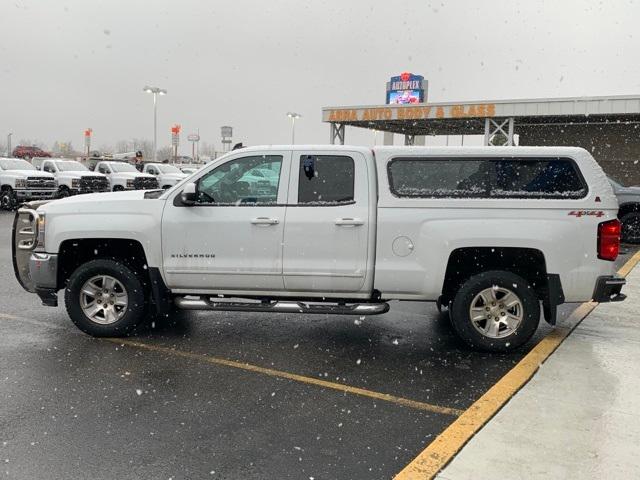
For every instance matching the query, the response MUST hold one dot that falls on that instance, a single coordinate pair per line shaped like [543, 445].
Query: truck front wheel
[495, 311]
[7, 199]
[104, 298]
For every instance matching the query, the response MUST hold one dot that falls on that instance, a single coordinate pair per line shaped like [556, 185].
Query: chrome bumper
[35, 194]
[43, 270]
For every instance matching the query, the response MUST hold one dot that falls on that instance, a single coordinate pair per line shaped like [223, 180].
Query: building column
[493, 127]
[336, 132]
[387, 139]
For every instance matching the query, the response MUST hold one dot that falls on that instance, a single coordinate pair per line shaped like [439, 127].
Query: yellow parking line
[439, 452]
[405, 402]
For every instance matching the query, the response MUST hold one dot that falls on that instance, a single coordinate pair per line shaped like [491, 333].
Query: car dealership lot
[230, 395]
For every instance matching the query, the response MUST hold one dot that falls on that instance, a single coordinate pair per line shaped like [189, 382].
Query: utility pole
[293, 116]
[156, 91]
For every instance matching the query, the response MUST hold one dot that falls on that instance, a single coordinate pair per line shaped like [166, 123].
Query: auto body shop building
[608, 127]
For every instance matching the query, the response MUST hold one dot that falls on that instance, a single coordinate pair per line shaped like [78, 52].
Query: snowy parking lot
[230, 395]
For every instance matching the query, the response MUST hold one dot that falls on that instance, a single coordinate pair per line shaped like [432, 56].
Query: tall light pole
[156, 91]
[9, 144]
[293, 116]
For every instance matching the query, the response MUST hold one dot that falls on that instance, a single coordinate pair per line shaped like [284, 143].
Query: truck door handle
[265, 221]
[349, 222]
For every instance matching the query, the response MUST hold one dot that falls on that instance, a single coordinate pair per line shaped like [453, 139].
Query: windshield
[70, 166]
[123, 167]
[15, 164]
[168, 169]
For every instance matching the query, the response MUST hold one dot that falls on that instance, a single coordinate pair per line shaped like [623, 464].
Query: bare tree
[165, 153]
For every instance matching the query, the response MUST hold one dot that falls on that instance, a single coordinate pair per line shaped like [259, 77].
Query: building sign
[406, 88]
[409, 112]
[87, 138]
[175, 135]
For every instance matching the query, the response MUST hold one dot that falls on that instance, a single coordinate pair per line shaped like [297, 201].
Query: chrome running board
[280, 306]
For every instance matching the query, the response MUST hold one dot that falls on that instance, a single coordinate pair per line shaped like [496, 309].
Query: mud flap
[554, 297]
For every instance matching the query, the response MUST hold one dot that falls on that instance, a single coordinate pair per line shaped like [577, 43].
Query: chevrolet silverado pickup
[496, 235]
[21, 182]
[124, 176]
[72, 176]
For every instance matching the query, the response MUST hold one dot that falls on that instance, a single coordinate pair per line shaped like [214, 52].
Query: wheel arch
[75, 252]
[528, 263]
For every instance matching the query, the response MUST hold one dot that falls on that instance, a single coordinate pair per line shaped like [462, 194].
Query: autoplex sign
[406, 88]
[409, 112]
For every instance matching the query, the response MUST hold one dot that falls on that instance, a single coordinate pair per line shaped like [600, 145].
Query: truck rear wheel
[495, 311]
[104, 298]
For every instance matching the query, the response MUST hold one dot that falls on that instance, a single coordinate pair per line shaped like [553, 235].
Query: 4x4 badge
[583, 213]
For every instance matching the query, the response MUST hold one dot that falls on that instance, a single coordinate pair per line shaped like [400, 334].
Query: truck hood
[132, 175]
[114, 202]
[25, 174]
[174, 176]
[79, 174]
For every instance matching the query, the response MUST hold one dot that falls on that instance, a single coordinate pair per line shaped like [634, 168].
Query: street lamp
[293, 116]
[156, 91]
[9, 144]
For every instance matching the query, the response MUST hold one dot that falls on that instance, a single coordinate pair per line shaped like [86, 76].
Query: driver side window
[248, 180]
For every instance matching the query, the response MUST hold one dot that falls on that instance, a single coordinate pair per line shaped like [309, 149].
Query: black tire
[461, 316]
[631, 227]
[8, 199]
[135, 311]
[118, 188]
[63, 192]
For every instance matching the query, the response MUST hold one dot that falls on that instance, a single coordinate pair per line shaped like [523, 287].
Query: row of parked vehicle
[47, 178]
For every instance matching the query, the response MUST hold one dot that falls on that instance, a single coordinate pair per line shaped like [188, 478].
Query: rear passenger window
[325, 179]
[485, 178]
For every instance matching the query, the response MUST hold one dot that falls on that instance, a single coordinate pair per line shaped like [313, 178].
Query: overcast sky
[66, 65]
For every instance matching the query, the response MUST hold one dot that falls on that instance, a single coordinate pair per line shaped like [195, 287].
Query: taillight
[609, 240]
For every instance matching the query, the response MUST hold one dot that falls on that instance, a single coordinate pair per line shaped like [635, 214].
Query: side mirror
[188, 195]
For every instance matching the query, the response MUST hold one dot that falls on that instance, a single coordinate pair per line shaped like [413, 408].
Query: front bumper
[43, 270]
[26, 195]
[609, 289]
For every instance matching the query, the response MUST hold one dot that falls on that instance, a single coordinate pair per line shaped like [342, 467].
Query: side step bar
[281, 306]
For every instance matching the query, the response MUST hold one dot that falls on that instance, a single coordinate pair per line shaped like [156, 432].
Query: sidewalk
[579, 417]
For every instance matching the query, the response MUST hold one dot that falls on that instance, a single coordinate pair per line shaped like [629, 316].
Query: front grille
[144, 183]
[93, 184]
[37, 183]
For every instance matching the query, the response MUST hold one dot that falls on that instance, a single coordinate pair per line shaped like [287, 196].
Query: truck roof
[448, 150]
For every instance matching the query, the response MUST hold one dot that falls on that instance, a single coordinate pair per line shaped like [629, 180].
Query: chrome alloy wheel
[103, 299]
[496, 312]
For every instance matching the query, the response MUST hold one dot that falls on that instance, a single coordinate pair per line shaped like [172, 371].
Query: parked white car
[124, 176]
[166, 174]
[20, 182]
[496, 234]
[72, 176]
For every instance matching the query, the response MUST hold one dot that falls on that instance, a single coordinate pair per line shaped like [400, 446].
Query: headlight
[21, 183]
[41, 227]
[75, 183]
[129, 183]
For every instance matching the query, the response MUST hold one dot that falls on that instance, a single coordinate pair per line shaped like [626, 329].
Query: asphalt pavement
[230, 395]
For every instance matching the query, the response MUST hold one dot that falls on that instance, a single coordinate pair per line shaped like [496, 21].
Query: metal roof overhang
[468, 118]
